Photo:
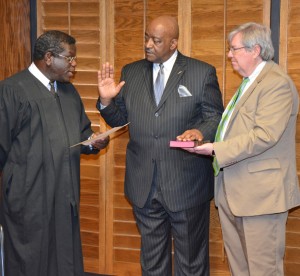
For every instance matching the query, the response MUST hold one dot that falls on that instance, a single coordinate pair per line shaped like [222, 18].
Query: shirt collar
[39, 75]
[168, 65]
[257, 71]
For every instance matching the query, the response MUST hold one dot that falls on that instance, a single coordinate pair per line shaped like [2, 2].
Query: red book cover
[185, 144]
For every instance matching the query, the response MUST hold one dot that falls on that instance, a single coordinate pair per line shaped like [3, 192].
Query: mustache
[148, 51]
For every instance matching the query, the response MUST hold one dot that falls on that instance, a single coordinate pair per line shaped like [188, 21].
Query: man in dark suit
[170, 190]
[41, 116]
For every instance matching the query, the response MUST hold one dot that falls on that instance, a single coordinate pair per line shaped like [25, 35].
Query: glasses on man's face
[233, 50]
[69, 59]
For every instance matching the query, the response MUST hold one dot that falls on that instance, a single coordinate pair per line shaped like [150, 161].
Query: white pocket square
[183, 91]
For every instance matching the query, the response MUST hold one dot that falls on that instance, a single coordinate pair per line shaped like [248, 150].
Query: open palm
[107, 87]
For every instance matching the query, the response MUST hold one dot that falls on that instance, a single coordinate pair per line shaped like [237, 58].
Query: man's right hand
[106, 85]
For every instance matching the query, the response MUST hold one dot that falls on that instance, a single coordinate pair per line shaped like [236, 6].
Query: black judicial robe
[40, 176]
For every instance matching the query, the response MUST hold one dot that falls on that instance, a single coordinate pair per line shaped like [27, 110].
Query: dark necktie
[159, 84]
[52, 88]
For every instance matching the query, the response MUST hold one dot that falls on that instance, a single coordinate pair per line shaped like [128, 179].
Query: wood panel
[238, 12]
[208, 34]
[293, 42]
[290, 14]
[15, 47]
[113, 30]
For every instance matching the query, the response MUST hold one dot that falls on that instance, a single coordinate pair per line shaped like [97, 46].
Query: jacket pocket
[263, 165]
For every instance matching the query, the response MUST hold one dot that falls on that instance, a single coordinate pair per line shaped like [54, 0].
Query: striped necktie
[52, 88]
[225, 118]
[159, 84]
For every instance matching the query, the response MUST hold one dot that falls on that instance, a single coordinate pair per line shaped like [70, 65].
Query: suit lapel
[148, 80]
[176, 74]
[250, 90]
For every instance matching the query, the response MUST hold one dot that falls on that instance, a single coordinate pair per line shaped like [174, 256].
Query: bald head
[168, 23]
[161, 38]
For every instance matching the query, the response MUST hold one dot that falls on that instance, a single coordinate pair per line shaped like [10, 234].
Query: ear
[174, 43]
[256, 50]
[48, 58]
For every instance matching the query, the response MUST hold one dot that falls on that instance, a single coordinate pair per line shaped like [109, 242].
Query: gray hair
[255, 34]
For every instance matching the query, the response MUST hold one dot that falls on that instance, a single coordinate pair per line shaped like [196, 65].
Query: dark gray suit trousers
[189, 230]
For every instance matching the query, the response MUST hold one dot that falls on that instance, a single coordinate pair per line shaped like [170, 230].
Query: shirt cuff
[100, 106]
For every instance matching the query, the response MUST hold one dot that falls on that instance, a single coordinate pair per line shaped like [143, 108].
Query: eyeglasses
[69, 59]
[233, 50]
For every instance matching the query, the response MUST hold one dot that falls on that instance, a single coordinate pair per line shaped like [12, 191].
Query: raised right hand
[107, 87]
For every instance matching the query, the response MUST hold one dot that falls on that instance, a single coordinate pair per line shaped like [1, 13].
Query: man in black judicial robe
[40, 172]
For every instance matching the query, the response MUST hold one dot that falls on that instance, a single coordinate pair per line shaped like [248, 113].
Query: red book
[186, 144]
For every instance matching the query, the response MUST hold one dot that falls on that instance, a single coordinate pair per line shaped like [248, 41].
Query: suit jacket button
[156, 114]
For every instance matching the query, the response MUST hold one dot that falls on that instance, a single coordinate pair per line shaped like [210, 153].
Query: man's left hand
[100, 143]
